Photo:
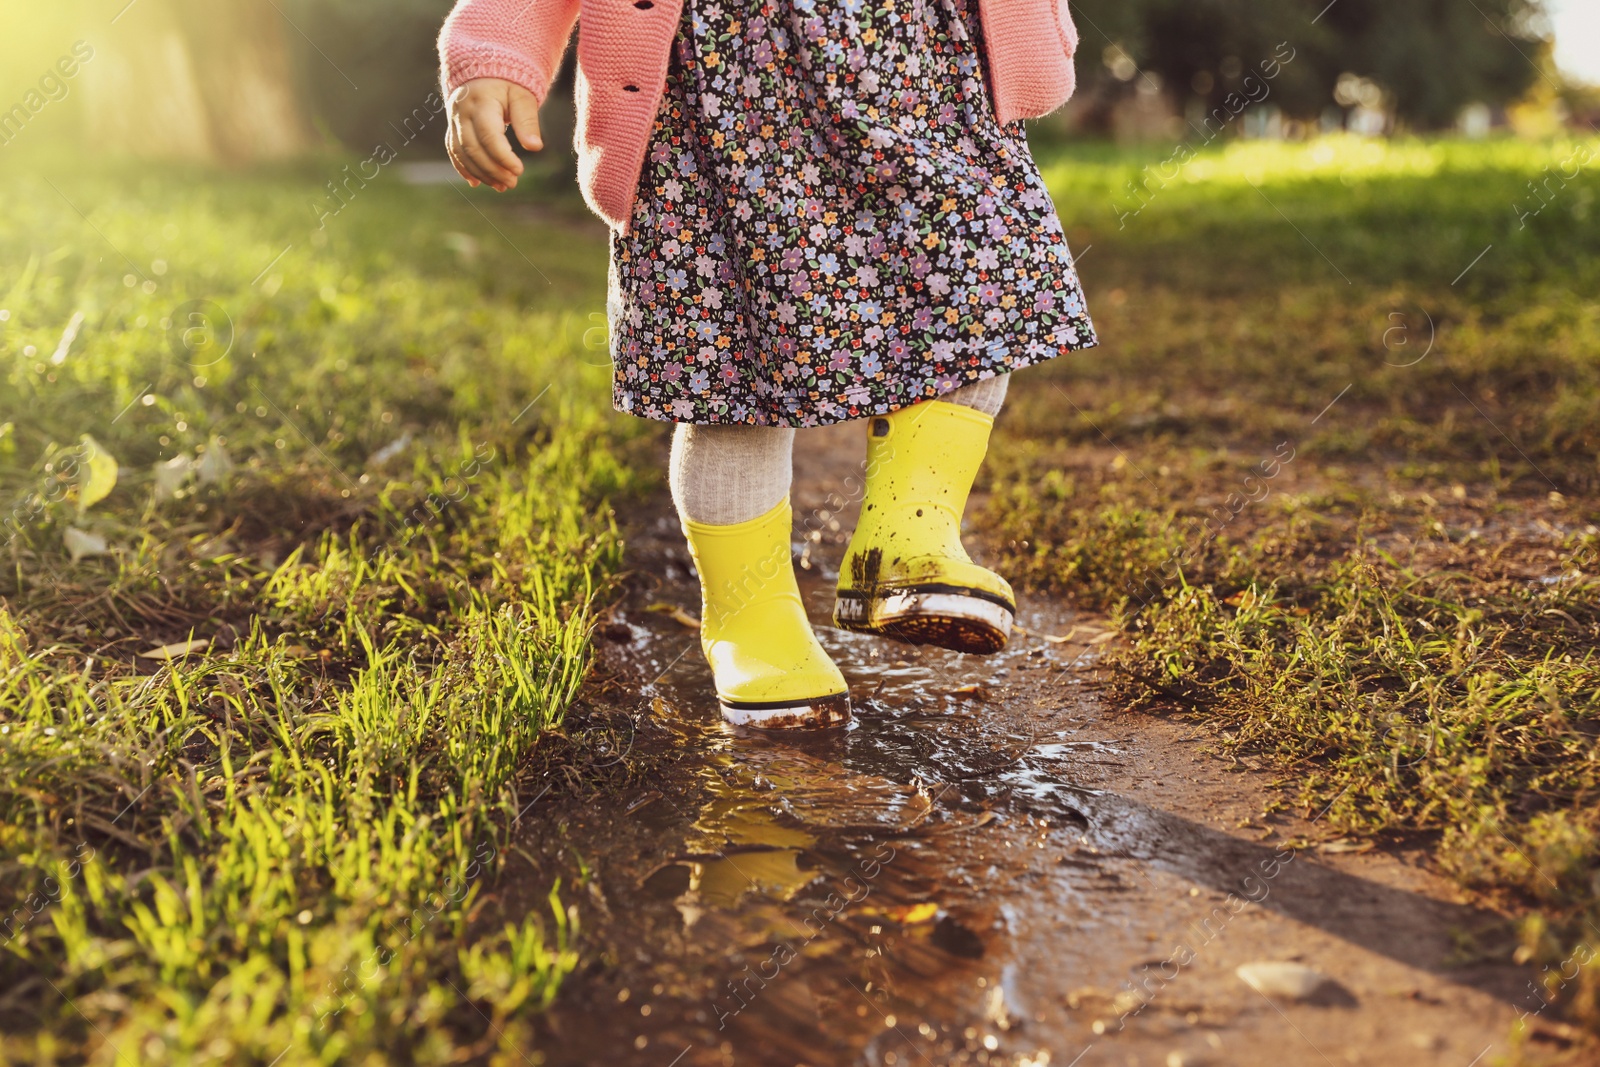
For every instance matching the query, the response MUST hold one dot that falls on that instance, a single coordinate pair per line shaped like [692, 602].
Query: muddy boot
[905, 574]
[769, 669]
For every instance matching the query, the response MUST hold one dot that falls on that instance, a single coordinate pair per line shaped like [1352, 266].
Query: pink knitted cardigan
[623, 50]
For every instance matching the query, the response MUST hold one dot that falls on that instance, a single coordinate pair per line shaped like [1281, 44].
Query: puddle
[822, 898]
[968, 874]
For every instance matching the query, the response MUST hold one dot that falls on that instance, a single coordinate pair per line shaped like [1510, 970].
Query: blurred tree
[196, 79]
[1433, 57]
[370, 70]
[1430, 57]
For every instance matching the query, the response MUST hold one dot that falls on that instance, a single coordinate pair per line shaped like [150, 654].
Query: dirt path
[992, 866]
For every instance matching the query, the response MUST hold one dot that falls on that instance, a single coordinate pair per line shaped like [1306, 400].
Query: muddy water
[818, 899]
[988, 866]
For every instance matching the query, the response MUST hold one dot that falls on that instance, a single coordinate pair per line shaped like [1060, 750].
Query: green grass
[384, 507]
[1241, 306]
[1393, 599]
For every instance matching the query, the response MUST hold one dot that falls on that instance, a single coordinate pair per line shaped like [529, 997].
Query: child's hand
[479, 113]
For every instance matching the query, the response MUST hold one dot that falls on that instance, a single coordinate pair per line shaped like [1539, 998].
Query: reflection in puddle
[825, 898]
[722, 882]
[737, 846]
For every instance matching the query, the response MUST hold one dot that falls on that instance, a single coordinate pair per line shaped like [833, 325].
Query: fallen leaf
[1344, 844]
[171, 476]
[1100, 639]
[214, 467]
[913, 914]
[676, 614]
[97, 476]
[1058, 639]
[390, 450]
[177, 650]
[81, 543]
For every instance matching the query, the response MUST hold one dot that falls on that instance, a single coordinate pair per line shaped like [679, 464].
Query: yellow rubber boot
[769, 669]
[906, 574]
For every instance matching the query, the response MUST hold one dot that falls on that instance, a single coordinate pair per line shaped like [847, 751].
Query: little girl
[821, 210]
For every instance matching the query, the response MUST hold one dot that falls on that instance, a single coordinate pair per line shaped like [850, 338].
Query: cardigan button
[630, 88]
[644, 5]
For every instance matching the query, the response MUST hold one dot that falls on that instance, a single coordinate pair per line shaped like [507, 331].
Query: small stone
[1275, 979]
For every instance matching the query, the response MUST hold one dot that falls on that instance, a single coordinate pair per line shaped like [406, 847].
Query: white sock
[721, 475]
[986, 396]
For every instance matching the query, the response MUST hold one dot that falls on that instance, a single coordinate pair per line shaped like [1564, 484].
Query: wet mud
[991, 865]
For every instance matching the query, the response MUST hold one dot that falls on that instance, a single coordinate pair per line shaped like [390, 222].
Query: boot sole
[961, 620]
[812, 713]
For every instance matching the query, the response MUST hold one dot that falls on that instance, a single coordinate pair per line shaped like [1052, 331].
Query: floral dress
[831, 223]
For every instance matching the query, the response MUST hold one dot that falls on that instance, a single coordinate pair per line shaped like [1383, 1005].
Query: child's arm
[498, 58]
